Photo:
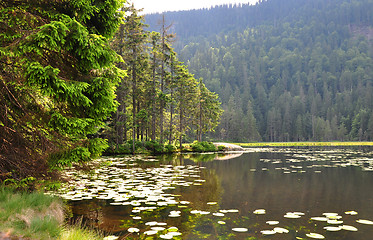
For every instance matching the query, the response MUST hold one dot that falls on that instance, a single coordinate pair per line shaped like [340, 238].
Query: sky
[156, 6]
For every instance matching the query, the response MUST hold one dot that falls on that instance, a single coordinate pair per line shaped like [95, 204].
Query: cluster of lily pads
[333, 220]
[317, 160]
[123, 182]
[128, 182]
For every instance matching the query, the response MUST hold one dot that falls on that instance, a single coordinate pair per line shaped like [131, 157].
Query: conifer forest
[289, 70]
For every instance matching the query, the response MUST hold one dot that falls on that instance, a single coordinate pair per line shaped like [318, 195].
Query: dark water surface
[309, 181]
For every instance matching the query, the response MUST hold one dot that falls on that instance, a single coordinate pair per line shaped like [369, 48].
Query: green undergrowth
[203, 147]
[154, 147]
[305, 144]
[151, 147]
[34, 215]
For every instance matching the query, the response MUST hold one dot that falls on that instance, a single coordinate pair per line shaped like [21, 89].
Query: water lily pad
[330, 214]
[334, 221]
[268, 232]
[166, 236]
[315, 236]
[260, 211]
[280, 230]
[151, 223]
[272, 222]
[362, 221]
[321, 219]
[240, 229]
[150, 232]
[219, 214]
[157, 228]
[291, 215]
[349, 228]
[172, 229]
[174, 233]
[351, 213]
[133, 230]
[332, 229]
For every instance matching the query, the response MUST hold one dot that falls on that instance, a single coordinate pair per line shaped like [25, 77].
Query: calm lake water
[210, 196]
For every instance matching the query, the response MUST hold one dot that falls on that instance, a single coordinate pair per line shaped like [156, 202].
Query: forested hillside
[285, 70]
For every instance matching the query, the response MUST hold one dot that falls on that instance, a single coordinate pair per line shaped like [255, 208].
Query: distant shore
[304, 144]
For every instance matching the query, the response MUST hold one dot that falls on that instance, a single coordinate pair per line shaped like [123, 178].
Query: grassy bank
[36, 216]
[305, 144]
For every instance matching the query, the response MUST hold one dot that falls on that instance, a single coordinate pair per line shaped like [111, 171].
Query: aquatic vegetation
[260, 211]
[362, 221]
[152, 193]
[315, 236]
[240, 229]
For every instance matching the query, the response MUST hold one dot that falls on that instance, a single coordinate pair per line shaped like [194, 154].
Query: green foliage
[154, 147]
[23, 184]
[203, 147]
[58, 80]
[221, 148]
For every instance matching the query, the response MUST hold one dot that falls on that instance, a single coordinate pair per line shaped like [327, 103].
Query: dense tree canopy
[285, 70]
[57, 81]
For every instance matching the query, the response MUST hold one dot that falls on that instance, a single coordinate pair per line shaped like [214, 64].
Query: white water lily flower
[221, 222]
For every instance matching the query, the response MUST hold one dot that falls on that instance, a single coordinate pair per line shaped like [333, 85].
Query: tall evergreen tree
[57, 81]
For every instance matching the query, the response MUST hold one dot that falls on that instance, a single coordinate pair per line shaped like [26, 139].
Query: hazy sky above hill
[153, 6]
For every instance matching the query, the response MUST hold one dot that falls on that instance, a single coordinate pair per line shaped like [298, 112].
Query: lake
[275, 193]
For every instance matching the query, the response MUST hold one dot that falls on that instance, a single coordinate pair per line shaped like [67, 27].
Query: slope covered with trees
[285, 70]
